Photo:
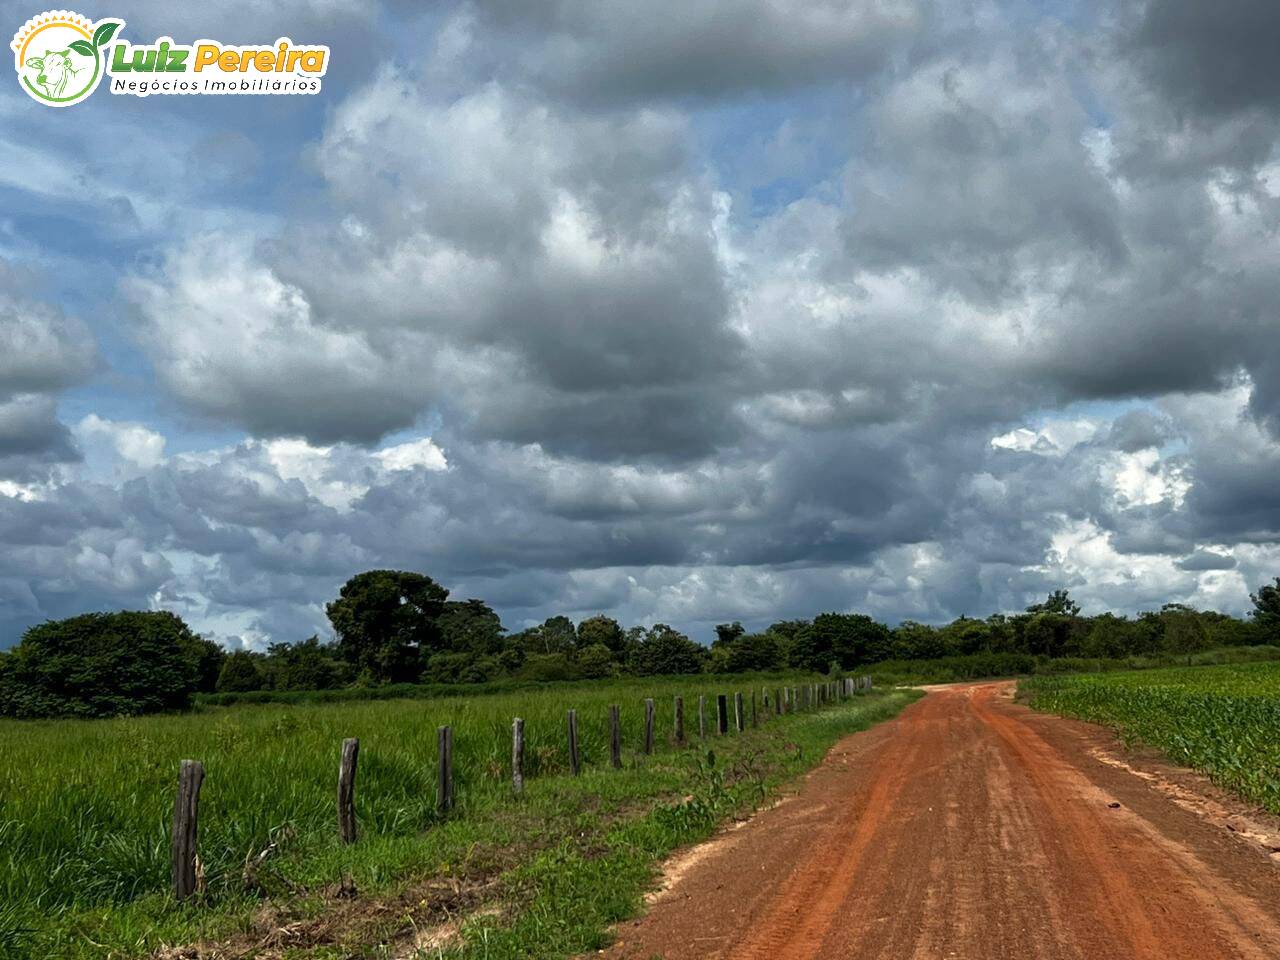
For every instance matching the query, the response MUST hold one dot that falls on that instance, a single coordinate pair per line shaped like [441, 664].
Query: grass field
[1222, 720]
[85, 808]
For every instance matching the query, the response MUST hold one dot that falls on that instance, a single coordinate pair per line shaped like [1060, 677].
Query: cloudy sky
[684, 311]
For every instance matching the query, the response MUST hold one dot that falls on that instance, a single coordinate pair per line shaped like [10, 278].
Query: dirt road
[971, 827]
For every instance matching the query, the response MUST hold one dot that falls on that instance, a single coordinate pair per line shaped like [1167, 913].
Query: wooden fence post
[615, 737]
[186, 816]
[739, 714]
[777, 701]
[648, 726]
[679, 720]
[444, 776]
[702, 716]
[722, 714]
[517, 754]
[347, 790]
[754, 721]
[574, 761]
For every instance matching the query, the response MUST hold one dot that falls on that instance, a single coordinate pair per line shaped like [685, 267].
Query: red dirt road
[971, 827]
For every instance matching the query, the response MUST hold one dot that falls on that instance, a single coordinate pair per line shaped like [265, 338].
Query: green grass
[979, 666]
[1222, 720]
[85, 808]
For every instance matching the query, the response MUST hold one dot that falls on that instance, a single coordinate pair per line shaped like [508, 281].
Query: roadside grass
[1222, 720]
[84, 810]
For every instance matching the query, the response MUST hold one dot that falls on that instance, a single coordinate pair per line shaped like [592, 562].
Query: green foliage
[240, 673]
[103, 664]
[471, 626]
[1222, 720]
[1266, 609]
[386, 621]
[309, 665]
[603, 630]
[662, 651]
[850, 638]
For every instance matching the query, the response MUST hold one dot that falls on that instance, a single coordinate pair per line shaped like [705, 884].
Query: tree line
[401, 627]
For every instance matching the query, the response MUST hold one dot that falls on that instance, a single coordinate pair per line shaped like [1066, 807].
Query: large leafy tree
[388, 622]
[103, 664]
[603, 630]
[664, 651]
[849, 639]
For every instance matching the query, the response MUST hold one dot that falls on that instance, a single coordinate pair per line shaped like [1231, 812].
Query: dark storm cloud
[1138, 430]
[1210, 59]
[616, 51]
[1207, 560]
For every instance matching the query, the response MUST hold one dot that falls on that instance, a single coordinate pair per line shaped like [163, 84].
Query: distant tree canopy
[397, 626]
[105, 664]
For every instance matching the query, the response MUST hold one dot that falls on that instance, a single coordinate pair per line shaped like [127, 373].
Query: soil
[971, 827]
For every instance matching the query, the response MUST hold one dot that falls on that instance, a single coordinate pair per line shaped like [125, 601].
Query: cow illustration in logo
[59, 56]
[56, 71]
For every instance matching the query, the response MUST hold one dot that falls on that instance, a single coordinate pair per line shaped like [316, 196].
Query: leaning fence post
[722, 713]
[679, 720]
[517, 754]
[444, 777]
[648, 726]
[615, 737]
[574, 762]
[702, 716]
[186, 815]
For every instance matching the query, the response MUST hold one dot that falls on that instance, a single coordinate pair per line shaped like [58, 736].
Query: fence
[774, 703]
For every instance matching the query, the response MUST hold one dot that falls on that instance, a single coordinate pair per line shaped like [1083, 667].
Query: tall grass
[1222, 720]
[85, 806]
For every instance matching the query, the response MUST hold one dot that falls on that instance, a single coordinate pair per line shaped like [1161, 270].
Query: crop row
[1224, 721]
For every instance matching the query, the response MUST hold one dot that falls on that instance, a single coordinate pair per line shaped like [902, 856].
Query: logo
[61, 57]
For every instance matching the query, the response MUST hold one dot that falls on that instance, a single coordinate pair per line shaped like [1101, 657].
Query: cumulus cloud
[711, 312]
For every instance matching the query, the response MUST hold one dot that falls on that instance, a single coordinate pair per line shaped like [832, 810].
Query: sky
[682, 311]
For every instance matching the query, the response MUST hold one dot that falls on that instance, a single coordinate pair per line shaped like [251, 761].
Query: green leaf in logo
[104, 33]
[84, 47]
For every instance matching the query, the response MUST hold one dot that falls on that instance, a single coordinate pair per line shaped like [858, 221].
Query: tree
[308, 665]
[850, 638]
[1058, 602]
[916, 641]
[603, 630]
[557, 635]
[596, 661]
[755, 651]
[663, 651]
[470, 626]
[387, 623]
[1183, 631]
[240, 673]
[727, 633]
[103, 664]
[1266, 608]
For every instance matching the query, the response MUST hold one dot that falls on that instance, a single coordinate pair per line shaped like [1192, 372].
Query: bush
[103, 664]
